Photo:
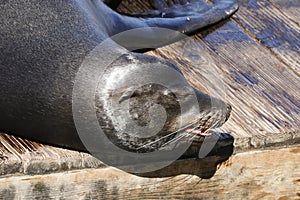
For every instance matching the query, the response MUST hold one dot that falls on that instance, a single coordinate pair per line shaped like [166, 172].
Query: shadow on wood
[190, 163]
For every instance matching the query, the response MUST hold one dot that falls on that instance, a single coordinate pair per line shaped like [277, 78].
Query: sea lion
[43, 44]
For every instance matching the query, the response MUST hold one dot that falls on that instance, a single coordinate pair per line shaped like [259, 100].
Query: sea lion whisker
[172, 133]
[178, 138]
[186, 133]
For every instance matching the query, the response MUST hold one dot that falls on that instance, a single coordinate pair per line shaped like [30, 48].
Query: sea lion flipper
[174, 8]
[187, 16]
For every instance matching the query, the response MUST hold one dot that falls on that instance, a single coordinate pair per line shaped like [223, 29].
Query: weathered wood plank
[27, 157]
[272, 28]
[264, 93]
[228, 63]
[271, 174]
[289, 7]
[34, 161]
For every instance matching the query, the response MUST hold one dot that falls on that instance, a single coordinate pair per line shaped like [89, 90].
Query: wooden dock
[253, 60]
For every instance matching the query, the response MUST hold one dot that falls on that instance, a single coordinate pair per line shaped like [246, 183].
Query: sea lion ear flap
[127, 94]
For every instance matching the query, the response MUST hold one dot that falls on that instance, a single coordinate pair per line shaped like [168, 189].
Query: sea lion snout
[145, 116]
[228, 111]
[213, 112]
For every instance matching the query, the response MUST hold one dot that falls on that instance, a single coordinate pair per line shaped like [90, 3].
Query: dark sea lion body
[42, 45]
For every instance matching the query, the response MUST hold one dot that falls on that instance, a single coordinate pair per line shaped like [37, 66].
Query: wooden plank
[272, 174]
[129, 6]
[27, 157]
[44, 159]
[272, 28]
[290, 8]
[228, 63]
[264, 93]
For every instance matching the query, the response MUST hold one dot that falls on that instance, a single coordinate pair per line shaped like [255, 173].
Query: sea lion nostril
[228, 109]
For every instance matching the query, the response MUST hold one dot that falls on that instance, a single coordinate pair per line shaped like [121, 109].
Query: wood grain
[21, 156]
[229, 64]
[290, 8]
[272, 28]
[270, 174]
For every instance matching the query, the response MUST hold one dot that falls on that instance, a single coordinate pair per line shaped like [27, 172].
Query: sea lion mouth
[203, 130]
[208, 123]
[193, 132]
[199, 131]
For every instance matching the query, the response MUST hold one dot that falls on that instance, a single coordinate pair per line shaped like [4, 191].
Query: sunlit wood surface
[269, 174]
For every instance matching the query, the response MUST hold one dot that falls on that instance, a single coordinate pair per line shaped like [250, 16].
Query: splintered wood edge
[269, 174]
[47, 159]
[270, 141]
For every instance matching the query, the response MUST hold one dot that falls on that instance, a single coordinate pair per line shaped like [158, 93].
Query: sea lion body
[42, 46]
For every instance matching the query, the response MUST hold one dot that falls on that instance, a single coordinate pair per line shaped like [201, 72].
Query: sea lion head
[144, 103]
